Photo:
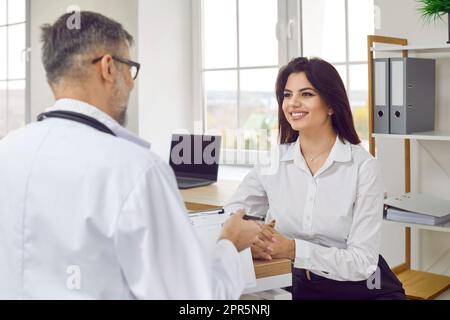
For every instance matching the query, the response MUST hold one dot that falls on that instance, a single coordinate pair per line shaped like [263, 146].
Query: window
[240, 65]
[245, 41]
[336, 30]
[13, 42]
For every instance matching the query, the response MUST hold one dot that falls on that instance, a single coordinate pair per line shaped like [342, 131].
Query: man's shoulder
[98, 149]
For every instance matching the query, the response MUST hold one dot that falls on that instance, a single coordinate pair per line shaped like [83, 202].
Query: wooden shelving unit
[439, 228]
[397, 48]
[428, 135]
[417, 284]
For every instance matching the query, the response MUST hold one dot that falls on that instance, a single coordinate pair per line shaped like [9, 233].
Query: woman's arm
[250, 196]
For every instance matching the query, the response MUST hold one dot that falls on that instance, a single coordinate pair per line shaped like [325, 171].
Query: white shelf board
[440, 228]
[423, 48]
[435, 135]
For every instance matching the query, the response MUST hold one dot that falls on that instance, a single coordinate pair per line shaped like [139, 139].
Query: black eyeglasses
[134, 66]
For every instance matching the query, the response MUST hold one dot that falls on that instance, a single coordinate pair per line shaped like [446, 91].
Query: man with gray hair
[87, 211]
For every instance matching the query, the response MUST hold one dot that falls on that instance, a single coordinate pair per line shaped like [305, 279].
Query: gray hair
[64, 48]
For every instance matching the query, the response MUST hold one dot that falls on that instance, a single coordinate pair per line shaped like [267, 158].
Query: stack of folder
[404, 95]
[418, 209]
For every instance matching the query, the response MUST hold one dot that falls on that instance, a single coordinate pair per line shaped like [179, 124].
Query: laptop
[195, 159]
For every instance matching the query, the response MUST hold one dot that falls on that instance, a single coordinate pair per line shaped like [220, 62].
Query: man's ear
[108, 69]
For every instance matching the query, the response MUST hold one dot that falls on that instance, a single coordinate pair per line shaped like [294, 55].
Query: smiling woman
[322, 193]
[320, 93]
[303, 107]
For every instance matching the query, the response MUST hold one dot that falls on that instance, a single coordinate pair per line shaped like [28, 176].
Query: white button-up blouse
[335, 216]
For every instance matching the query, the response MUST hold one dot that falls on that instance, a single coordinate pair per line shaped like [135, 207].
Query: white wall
[165, 51]
[47, 11]
[431, 250]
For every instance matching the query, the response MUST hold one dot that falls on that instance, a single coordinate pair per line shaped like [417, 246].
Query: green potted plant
[431, 10]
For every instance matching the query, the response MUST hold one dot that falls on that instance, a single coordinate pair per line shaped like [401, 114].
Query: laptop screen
[195, 156]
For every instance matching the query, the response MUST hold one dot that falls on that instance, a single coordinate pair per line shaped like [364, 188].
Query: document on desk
[208, 227]
[417, 208]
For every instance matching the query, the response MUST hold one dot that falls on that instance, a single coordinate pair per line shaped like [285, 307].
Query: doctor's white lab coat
[86, 215]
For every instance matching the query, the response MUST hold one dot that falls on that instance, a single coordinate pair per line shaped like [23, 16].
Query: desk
[269, 274]
[210, 197]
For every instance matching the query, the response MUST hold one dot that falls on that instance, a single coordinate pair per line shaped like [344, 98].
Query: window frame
[243, 157]
[347, 63]
[290, 45]
[26, 53]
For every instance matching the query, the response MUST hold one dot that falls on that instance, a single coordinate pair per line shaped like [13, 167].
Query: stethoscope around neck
[77, 117]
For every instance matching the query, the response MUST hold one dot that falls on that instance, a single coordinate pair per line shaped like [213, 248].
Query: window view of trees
[241, 62]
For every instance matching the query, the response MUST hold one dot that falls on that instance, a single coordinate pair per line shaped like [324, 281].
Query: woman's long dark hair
[326, 80]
